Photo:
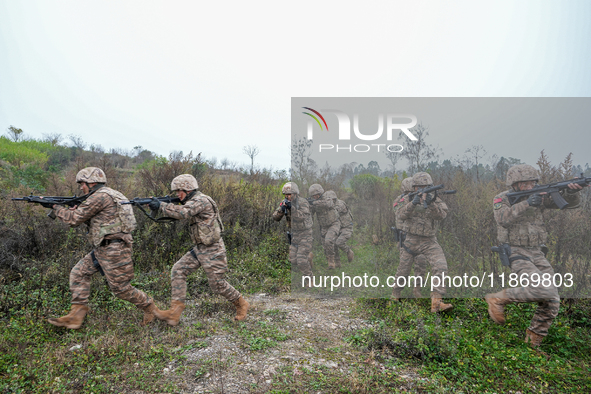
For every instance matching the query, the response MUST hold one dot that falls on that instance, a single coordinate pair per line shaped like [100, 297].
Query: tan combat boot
[496, 306]
[150, 312]
[173, 315]
[241, 308]
[350, 255]
[534, 340]
[72, 320]
[331, 265]
[437, 304]
[337, 260]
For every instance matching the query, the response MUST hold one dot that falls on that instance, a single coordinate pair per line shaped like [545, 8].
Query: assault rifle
[430, 189]
[138, 202]
[50, 201]
[553, 189]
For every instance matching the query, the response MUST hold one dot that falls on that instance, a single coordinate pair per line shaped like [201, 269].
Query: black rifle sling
[96, 263]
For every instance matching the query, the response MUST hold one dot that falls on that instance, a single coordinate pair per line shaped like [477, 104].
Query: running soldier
[521, 226]
[299, 223]
[328, 218]
[109, 230]
[420, 226]
[209, 251]
[420, 261]
[346, 231]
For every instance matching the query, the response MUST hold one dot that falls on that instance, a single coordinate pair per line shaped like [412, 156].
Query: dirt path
[307, 333]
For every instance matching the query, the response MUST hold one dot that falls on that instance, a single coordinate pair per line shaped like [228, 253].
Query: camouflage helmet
[186, 182]
[406, 185]
[422, 179]
[521, 173]
[315, 189]
[332, 195]
[290, 188]
[91, 175]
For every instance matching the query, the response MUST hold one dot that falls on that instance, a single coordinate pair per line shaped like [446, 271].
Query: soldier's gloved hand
[535, 200]
[283, 207]
[416, 200]
[430, 198]
[288, 204]
[154, 205]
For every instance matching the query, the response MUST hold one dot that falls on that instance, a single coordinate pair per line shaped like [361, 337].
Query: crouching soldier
[521, 226]
[299, 222]
[110, 226]
[346, 230]
[209, 251]
[420, 226]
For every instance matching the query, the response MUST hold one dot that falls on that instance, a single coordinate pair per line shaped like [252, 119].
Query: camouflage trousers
[547, 298]
[301, 245]
[115, 260]
[341, 242]
[429, 248]
[329, 238]
[420, 265]
[213, 260]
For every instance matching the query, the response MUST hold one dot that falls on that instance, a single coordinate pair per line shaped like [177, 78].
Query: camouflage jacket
[522, 224]
[299, 214]
[344, 214]
[325, 211]
[420, 221]
[106, 218]
[203, 216]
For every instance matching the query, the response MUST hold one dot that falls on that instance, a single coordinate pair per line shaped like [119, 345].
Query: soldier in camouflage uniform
[110, 226]
[346, 230]
[420, 261]
[522, 227]
[296, 211]
[209, 251]
[328, 218]
[420, 226]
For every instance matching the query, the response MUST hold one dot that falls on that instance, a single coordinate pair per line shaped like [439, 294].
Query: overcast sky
[212, 77]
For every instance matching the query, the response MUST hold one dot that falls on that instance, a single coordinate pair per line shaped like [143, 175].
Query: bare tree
[77, 141]
[419, 153]
[477, 152]
[251, 151]
[302, 165]
[53, 138]
[15, 133]
[393, 157]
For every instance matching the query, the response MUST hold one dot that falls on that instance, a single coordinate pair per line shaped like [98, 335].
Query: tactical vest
[206, 228]
[527, 230]
[420, 223]
[326, 213]
[122, 222]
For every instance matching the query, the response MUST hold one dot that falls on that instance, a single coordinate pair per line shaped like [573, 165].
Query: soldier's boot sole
[72, 320]
[241, 308]
[496, 306]
[171, 316]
